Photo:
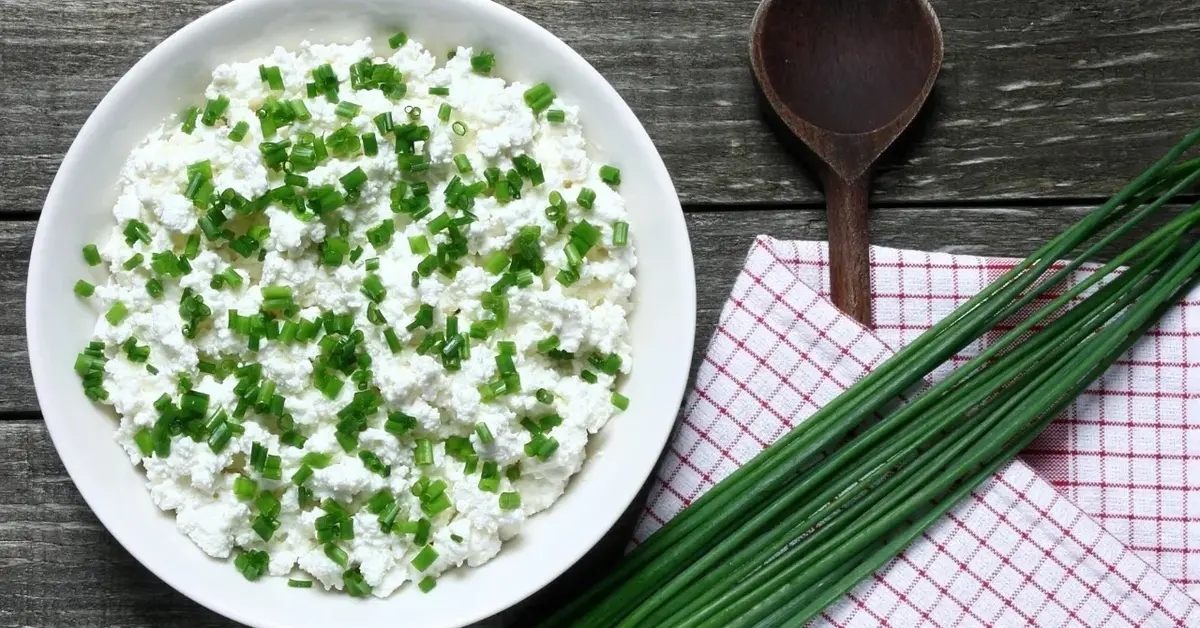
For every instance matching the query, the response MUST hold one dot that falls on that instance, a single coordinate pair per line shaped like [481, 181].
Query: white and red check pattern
[1097, 524]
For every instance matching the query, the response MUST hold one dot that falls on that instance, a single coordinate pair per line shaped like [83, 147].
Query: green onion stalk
[844, 492]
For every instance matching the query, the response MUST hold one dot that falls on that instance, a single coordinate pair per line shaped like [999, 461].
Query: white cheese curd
[362, 312]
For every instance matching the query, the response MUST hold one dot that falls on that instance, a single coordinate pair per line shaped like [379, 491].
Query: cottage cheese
[489, 124]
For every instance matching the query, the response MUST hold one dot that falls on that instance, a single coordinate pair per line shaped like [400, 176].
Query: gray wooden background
[1043, 108]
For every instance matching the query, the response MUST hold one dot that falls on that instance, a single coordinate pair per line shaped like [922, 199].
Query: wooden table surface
[1043, 108]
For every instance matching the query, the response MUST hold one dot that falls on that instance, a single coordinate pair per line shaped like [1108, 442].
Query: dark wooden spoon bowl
[846, 77]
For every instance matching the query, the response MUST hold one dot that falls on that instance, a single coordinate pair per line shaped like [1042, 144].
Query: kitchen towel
[1097, 523]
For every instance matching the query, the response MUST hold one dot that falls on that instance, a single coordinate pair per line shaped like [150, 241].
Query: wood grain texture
[1057, 99]
[720, 240]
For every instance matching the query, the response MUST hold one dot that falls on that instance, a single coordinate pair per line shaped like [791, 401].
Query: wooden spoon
[846, 77]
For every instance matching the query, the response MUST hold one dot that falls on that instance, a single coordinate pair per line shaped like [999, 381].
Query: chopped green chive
[423, 455]
[549, 344]
[343, 142]
[557, 116]
[382, 233]
[232, 277]
[610, 175]
[239, 130]
[587, 198]
[423, 318]
[316, 460]
[539, 97]
[510, 501]
[302, 474]
[439, 91]
[620, 401]
[84, 289]
[300, 584]
[141, 354]
[384, 123]
[489, 477]
[393, 341]
[427, 584]
[397, 40]
[267, 504]
[258, 457]
[356, 584]
[419, 245]
[347, 109]
[526, 166]
[154, 288]
[462, 163]
[567, 277]
[439, 223]
[91, 255]
[214, 109]
[252, 564]
[483, 62]
[133, 262]
[484, 433]
[325, 82]
[337, 554]
[370, 144]
[220, 430]
[620, 233]
[609, 365]
[136, 230]
[584, 236]
[374, 464]
[496, 262]
[459, 127]
[425, 558]
[444, 112]
[373, 288]
[399, 423]
[116, 313]
[271, 76]
[380, 501]
[144, 439]
[544, 396]
[541, 446]
[191, 249]
[189, 119]
[300, 110]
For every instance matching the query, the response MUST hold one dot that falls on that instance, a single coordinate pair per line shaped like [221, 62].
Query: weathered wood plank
[1060, 99]
[720, 240]
[16, 239]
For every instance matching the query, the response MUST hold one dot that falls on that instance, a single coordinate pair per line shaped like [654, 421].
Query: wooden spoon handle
[849, 252]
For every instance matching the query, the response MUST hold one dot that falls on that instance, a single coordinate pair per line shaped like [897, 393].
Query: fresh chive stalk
[818, 511]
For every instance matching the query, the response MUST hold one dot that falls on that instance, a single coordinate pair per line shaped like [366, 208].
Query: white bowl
[77, 212]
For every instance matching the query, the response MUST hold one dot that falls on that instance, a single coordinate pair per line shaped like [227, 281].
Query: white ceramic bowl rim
[58, 325]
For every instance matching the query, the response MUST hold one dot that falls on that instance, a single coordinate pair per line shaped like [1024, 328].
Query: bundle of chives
[835, 499]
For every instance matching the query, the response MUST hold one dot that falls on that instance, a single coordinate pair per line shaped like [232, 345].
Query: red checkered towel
[1096, 524]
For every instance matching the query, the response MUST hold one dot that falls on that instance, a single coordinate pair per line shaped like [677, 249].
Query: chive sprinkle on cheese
[374, 314]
